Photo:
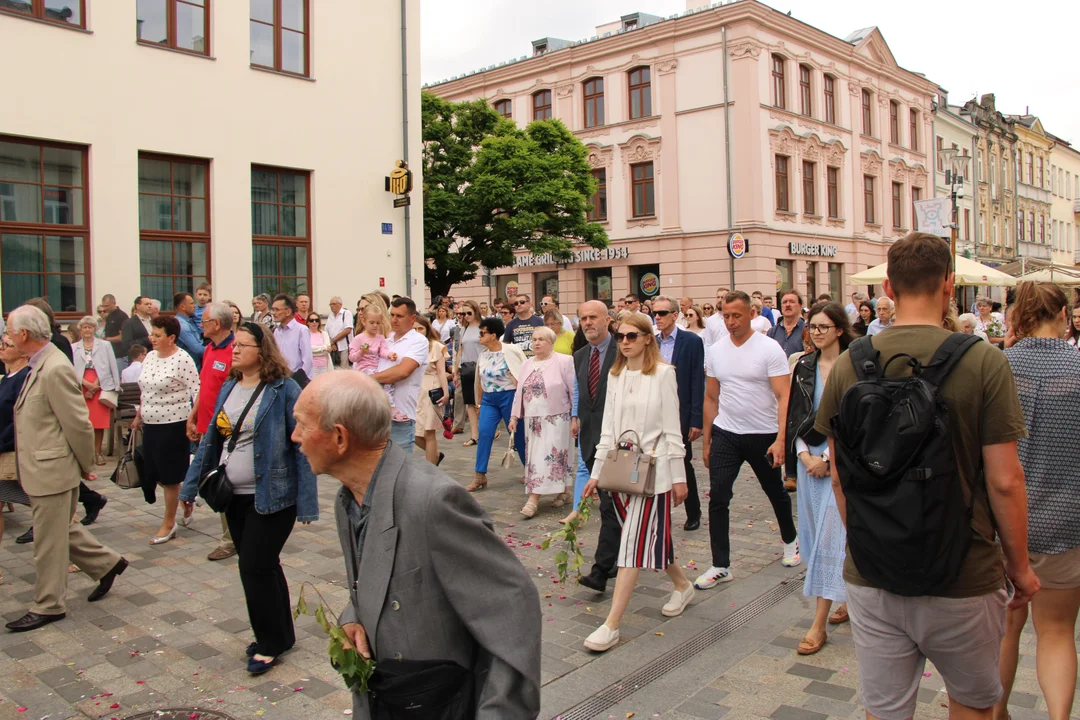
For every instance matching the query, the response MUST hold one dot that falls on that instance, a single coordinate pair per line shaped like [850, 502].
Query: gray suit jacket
[437, 583]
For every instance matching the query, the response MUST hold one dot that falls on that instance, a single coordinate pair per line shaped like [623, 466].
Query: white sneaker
[678, 602]
[713, 576]
[602, 638]
[791, 554]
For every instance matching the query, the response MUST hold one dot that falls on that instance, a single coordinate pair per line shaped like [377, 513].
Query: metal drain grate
[615, 693]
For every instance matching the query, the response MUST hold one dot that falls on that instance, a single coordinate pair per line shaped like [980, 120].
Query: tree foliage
[491, 188]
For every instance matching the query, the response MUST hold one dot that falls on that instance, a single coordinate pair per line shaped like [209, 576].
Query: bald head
[593, 319]
[340, 416]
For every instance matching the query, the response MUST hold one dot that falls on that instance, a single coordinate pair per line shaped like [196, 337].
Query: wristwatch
[825, 455]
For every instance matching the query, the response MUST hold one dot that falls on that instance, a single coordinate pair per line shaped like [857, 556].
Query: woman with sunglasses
[695, 321]
[467, 349]
[320, 345]
[443, 323]
[642, 406]
[821, 532]
[497, 371]
[706, 310]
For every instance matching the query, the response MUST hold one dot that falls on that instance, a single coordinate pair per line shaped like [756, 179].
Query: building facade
[953, 130]
[826, 147]
[1065, 206]
[207, 140]
[1034, 201]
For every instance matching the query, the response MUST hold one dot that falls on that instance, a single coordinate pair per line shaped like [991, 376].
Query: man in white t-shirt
[746, 400]
[405, 372]
[339, 326]
[714, 324]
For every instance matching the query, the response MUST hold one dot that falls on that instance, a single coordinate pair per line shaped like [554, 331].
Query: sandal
[529, 509]
[808, 647]
[470, 442]
[569, 518]
[74, 569]
[560, 500]
[99, 459]
[840, 615]
[498, 434]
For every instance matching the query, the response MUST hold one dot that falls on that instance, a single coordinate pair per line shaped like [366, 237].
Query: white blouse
[167, 386]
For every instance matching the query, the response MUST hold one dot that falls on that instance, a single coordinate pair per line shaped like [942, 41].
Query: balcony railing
[1033, 250]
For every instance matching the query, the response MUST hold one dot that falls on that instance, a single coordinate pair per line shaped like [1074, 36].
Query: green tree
[491, 188]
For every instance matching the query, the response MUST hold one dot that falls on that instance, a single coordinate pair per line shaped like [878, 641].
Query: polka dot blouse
[167, 385]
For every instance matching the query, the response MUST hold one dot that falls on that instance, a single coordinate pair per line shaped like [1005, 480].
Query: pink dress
[368, 363]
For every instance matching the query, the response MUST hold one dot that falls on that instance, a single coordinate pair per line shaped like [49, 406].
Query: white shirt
[444, 329]
[760, 324]
[131, 373]
[875, 327]
[715, 329]
[411, 345]
[336, 323]
[167, 386]
[747, 402]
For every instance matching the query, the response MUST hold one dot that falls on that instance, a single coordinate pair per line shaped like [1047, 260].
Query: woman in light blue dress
[821, 533]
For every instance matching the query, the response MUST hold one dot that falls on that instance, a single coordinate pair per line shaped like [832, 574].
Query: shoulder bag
[214, 486]
[127, 474]
[8, 467]
[109, 398]
[628, 470]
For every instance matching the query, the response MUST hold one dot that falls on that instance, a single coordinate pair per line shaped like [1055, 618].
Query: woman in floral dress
[989, 322]
[544, 399]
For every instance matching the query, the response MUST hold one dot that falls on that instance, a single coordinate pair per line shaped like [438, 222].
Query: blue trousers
[403, 434]
[495, 406]
[580, 479]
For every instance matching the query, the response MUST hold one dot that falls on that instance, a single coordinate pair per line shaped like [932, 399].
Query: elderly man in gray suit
[429, 578]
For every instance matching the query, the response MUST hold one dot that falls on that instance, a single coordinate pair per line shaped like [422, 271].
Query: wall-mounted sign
[399, 181]
[737, 245]
[586, 255]
[935, 216]
[388, 228]
[650, 284]
[797, 248]
[511, 288]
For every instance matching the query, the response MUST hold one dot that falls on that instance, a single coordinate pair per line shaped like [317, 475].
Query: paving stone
[786, 712]
[786, 642]
[810, 671]
[832, 708]
[23, 651]
[1022, 699]
[58, 676]
[109, 622]
[144, 644]
[700, 709]
[76, 691]
[199, 651]
[141, 599]
[232, 625]
[315, 688]
[177, 618]
[926, 695]
[828, 690]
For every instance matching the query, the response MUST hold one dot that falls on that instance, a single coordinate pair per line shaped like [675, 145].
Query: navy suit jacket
[688, 357]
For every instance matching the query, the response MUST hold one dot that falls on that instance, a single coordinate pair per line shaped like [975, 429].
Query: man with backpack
[923, 426]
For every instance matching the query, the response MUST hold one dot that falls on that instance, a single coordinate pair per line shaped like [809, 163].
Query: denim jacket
[283, 477]
[190, 338]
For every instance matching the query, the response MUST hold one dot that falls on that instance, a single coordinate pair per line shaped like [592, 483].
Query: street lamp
[955, 165]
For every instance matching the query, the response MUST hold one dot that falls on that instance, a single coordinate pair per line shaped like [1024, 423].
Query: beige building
[993, 174]
[146, 147]
[1033, 190]
[1065, 204]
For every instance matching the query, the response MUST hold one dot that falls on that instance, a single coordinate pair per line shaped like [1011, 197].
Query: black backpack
[908, 524]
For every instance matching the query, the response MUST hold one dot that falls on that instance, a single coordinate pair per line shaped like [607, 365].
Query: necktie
[594, 372]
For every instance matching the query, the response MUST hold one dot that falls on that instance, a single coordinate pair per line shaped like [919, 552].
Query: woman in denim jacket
[273, 485]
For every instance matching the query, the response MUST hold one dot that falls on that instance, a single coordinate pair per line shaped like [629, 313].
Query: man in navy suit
[686, 352]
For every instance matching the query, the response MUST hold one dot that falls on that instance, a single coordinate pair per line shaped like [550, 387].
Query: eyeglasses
[459, 314]
[244, 345]
[661, 313]
[707, 307]
[627, 337]
[314, 320]
[504, 312]
[820, 329]
[520, 302]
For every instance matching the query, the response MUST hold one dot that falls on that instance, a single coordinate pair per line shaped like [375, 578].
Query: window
[867, 126]
[916, 196]
[1042, 229]
[940, 144]
[808, 169]
[594, 102]
[833, 177]
[830, 99]
[177, 24]
[44, 230]
[993, 176]
[542, 105]
[539, 49]
[868, 199]
[505, 108]
[993, 232]
[644, 194]
[778, 81]
[979, 167]
[1030, 169]
[174, 231]
[805, 105]
[1042, 179]
[897, 206]
[640, 93]
[68, 13]
[894, 122]
[1005, 235]
[1020, 225]
[782, 202]
[1032, 225]
[913, 130]
[599, 200]
[279, 35]
[967, 224]
[280, 231]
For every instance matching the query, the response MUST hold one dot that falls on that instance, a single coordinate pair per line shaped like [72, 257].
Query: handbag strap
[235, 436]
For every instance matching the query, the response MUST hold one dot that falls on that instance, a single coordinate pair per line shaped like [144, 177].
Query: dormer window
[539, 49]
[630, 25]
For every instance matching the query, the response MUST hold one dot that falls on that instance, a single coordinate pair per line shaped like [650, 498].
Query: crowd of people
[269, 398]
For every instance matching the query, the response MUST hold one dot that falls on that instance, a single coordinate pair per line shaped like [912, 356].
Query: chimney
[988, 101]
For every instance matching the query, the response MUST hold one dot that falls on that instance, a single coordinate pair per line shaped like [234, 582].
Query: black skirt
[166, 453]
[467, 373]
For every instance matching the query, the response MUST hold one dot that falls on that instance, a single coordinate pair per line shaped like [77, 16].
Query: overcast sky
[1027, 55]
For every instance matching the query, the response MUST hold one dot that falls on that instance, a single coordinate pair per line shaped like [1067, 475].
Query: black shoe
[92, 511]
[258, 667]
[26, 537]
[594, 581]
[32, 621]
[613, 572]
[252, 648]
[692, 524]
[106, 582]
[439, 461]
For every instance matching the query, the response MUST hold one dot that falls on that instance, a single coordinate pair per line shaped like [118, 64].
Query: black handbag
[335, 358]
[214, 486]
[427, 690]
[435, 394]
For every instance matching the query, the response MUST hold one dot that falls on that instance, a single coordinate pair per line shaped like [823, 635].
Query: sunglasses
[661, 313]
[628, 337]
[504, 312]
[314, 319]
[520, 302]
[707, 307]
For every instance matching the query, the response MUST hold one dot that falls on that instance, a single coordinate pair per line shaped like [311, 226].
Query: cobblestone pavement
[173, 630]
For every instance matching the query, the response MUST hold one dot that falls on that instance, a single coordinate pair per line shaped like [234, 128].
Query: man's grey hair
[336, 299]
[87, 320]
[220, 311]
[35, 322]
[888, 303]
[156, 303]
[673, 304]
[362, 408]
[859, 296]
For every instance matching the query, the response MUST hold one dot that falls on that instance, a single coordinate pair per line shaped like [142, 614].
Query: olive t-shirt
[984, 409]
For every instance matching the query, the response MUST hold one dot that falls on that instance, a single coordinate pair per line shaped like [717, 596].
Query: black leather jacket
[800, 414]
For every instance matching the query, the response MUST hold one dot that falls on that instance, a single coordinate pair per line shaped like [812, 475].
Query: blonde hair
[375, 305]
[651, 359]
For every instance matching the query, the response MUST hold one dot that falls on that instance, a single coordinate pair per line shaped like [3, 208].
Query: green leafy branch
[571, 559]
[354, 668]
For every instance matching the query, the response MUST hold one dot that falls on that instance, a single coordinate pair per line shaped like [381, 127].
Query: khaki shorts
[1057, 572]
[895, 635]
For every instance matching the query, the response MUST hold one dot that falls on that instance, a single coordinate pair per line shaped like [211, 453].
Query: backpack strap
[864, 358]
[946, 357]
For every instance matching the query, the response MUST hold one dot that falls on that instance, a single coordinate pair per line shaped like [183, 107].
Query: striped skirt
[646, 531]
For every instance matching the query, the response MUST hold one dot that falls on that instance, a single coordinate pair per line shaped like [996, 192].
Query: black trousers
[88, 496]
[693, 502]
[259, 539]
[607, 544]
[726, 456]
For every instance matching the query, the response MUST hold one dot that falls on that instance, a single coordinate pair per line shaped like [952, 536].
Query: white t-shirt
[131, 373]
[760, 324]
[747, 402]
[714, 330]
[336, 323]
[411, 345]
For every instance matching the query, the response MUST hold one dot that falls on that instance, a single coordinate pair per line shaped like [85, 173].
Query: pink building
[828, 148]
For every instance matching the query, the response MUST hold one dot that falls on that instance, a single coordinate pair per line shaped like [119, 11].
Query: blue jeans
[495, 406]
[403, 434]
[580, 479]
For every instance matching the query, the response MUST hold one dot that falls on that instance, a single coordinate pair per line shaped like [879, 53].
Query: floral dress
[994, 327]
[549, 463]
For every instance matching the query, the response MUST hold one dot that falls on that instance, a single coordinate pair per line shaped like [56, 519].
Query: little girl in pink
[366, 348]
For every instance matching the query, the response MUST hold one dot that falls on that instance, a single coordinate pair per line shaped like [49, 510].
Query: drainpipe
[727, 149]
[405, 140]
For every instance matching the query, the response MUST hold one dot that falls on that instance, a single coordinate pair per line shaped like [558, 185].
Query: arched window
[593, 90]
[778, 90]
[640, 93]
[504, 108]
[542, 105]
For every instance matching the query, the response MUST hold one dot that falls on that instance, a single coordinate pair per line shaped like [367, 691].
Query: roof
[859, 35]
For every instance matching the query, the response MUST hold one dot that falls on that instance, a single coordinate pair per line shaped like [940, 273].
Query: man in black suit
[686, 352]
[592, 364]
[136, 329]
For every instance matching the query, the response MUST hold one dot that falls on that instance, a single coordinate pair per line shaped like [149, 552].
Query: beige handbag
[109, 398]
[508, 456]
[628, 470]
[8, 468]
